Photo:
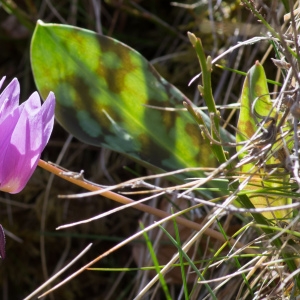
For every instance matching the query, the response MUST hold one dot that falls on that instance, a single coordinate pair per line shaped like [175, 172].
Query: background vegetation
[158, 30]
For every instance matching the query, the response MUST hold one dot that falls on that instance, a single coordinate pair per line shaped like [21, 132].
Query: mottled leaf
[256, 107]
[103, 87]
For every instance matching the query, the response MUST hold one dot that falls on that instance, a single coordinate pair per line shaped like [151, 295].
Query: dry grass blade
[142, 207]
[46, 283]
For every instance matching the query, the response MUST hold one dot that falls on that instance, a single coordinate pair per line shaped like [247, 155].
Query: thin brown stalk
[142, 207]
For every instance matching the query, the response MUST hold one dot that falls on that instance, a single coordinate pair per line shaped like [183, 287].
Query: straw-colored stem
[142, 207]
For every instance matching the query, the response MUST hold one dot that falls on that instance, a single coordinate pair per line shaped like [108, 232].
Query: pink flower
[25, 130]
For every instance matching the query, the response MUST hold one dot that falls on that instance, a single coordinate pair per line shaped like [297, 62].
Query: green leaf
[256, 106]
[104, 89]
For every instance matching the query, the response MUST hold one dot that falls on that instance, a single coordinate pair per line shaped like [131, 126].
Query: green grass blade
[181, 262]
[210, 291]
[156, 264]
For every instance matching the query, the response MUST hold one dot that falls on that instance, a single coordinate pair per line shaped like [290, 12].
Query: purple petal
[27, 134]
[28, 139]
[24, 149]
[2, 80]
[9, 98]
[6, 128]
[47, 110]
